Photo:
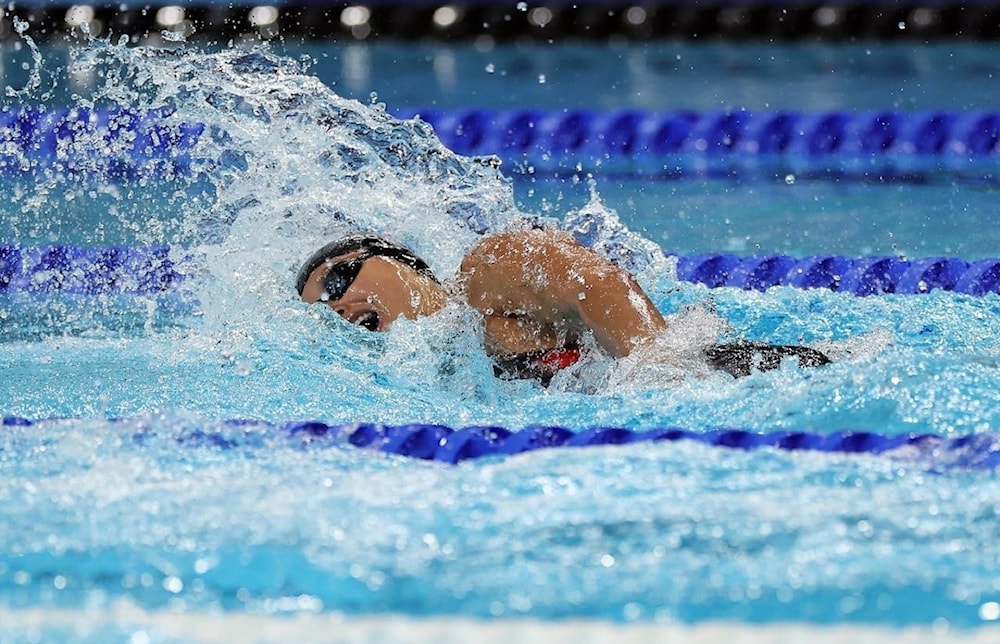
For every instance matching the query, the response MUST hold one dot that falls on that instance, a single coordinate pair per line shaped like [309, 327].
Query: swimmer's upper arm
[548, 277]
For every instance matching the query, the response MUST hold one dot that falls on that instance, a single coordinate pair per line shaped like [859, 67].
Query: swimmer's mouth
[368, 320]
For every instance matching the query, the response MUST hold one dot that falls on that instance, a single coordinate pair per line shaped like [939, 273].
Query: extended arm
[537, 288]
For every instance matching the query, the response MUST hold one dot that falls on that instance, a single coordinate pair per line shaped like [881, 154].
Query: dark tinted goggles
[340, 277]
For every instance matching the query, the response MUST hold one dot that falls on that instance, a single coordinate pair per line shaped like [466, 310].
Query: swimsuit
[539, 365]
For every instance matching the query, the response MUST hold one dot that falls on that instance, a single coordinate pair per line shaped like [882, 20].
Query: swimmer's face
[376, 290]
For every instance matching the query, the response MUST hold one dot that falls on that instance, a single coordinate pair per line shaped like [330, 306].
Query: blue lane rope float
[151, 270]
[875, 145]
[545, 20]
[449, 445]
[859, 276]
[108, 143]
[844, 141]
[88, 271]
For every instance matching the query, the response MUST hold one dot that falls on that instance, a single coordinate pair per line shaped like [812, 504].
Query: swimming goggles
[340, 277]
[338, 280]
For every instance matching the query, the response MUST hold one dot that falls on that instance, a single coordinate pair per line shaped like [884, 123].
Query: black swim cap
[368, 246]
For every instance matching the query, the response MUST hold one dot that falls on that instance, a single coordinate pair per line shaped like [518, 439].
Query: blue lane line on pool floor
[449, 445]
[120, 270]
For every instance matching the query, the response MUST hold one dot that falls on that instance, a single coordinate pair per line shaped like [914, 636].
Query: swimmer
[538, 291]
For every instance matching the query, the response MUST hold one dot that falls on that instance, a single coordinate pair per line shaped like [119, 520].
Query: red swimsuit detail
[540, 365]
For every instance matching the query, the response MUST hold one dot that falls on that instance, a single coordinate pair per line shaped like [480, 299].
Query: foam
[140, 625]
[672, 356]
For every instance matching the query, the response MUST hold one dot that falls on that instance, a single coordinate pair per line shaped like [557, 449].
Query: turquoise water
[665, 75]
[801, 218]
[119, 522]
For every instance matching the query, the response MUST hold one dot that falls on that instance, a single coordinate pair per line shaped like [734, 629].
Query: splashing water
[284, 165]
[293, 165]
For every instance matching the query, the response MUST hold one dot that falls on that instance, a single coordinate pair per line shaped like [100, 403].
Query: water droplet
[173, 36]
[490, 68]
[790, 179]
[173, 584]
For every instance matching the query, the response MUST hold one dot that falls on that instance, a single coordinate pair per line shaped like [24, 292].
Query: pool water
[122, 521]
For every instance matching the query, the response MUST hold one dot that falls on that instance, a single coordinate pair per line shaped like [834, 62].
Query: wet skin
[384, 289]
[535, 289]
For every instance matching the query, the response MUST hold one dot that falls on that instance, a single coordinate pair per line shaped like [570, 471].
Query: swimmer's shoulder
[516, 245]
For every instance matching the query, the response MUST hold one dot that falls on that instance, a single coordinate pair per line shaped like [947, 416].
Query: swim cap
[368, 246]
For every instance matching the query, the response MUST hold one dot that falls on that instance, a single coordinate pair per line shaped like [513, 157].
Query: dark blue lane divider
[89, 271]
[872, 145]
[448, 445]
[156, 269]
[859, 276]
[107, 143]
[845, 134]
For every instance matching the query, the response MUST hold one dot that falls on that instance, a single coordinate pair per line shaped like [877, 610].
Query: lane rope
[159, 269]
[880, 145]
[637, 133]
[449, 445]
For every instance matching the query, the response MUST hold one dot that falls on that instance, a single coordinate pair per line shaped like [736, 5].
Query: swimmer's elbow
[620, 315]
